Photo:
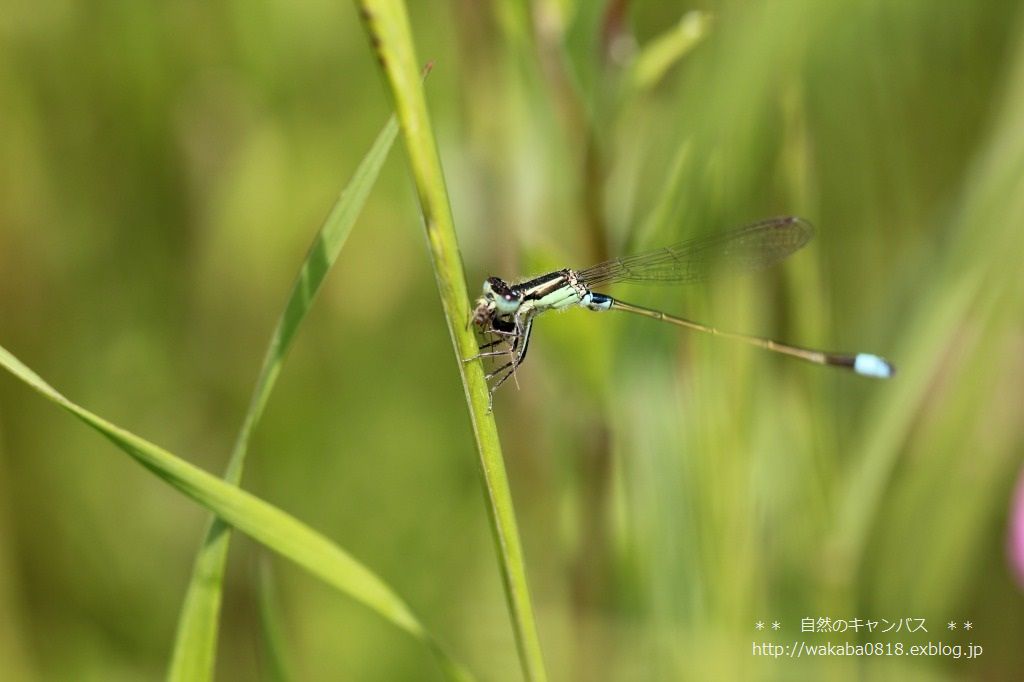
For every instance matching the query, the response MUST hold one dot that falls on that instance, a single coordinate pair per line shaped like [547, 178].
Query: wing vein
[752, 247]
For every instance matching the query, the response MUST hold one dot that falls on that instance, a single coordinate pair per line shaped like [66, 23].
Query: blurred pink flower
[1016, 538]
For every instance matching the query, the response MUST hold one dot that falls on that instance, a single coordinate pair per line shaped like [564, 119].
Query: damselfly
[508, 310]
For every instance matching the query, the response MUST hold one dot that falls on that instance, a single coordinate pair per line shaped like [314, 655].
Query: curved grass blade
[660, 54]
[387, 24]
[196, 641]
[260, 520]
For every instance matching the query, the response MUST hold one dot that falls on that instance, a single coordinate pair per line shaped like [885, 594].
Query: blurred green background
[163, 167]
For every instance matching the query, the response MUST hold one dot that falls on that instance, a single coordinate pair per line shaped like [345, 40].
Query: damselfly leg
[520, 345]
[488, 354]
[516, 335]
[507, 333]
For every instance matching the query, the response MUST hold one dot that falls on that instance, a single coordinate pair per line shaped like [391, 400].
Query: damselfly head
[498, 299]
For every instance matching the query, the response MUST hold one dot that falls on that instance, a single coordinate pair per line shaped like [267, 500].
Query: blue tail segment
[870, 365]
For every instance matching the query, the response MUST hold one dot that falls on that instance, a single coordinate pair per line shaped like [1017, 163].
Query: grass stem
[387, 23]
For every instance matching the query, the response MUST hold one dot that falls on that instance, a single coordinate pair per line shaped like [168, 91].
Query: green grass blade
[263, 522]
[657, 57]
[275, 651]
[321, 256]
[388, 26]
[196, 641]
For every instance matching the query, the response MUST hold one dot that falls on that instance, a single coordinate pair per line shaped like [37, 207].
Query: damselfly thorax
[507, 310]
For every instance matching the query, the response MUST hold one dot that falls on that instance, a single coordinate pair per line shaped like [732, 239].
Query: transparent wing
[743, 249]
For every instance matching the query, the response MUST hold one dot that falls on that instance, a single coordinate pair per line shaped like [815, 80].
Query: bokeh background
[163, 167]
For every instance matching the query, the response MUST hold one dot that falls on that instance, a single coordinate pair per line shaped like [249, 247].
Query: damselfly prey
[508, 310]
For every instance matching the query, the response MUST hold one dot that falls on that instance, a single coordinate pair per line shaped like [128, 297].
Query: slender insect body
[508, 310]
[556, 300]
[549, 292]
